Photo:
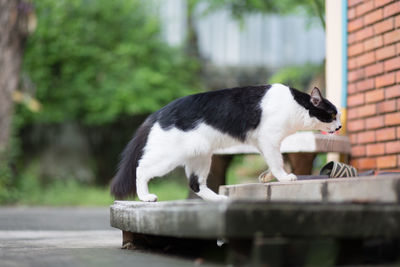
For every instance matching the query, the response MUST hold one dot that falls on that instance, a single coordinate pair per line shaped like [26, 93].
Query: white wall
[264, 40]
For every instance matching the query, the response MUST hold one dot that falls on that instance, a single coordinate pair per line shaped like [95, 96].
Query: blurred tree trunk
[13, 29]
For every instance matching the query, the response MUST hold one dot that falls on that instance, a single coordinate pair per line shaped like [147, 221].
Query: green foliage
[7, 189]
[309, 8]
[95, 60]
[70, 192]
[296, 76]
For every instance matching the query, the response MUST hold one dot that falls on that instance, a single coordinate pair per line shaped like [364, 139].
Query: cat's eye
[333, 116]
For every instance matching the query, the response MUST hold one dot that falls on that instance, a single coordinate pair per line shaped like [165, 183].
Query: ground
[42, 236]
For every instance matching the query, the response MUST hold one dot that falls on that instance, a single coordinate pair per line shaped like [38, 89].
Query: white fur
[168, 149]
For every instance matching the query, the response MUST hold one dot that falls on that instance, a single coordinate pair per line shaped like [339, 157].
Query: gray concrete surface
[383, 189]
[41, 236]
[246, 218]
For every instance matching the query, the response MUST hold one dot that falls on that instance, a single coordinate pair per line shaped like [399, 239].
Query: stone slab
[244, 219]
[193, 218]
[384, 189]
[301, 142]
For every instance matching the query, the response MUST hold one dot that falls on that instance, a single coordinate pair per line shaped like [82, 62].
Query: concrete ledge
[194, 218]
[384, 189]
[301, 142]
[245, 219]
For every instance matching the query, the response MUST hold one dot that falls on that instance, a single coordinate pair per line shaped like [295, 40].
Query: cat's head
[323, 113]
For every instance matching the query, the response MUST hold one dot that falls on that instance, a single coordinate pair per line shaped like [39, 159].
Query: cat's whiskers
[329, 142]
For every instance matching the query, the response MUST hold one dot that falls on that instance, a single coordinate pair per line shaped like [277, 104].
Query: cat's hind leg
[145, 172]
[197, 169]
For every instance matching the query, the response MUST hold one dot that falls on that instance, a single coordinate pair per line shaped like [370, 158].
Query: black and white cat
[187, 131]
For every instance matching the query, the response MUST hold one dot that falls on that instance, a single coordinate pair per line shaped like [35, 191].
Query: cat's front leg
[274, 160]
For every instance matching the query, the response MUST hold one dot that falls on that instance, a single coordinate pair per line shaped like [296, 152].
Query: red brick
[393, 91]
[366, 137]
[374, 122]
[374, 96]
[355, 100]
[384, 26]
[386, 106]
[385, 52]
[397, 21]
[352, 113]
[391, 37]
[364, 8]
[355, 24]
[351, 88]
[398, 132]
[392, 64]
[355, 75]
[379, 3]
[373, 43]
[351, 13]
[351, 63]
[385, 80]
[375, 149]
[391, 9]
[365, 59]
[353, 138]
[392, 119]
[363, 34]
[355, 49]
[398, 77]
[355, 125]
[386, 162]
[364, 163]
[358, 151]
[354, 2]
[392, 147]
[373, 70]
[365, 84]
[386, 134]
[351, 37]
[373, 16]
[367, 110]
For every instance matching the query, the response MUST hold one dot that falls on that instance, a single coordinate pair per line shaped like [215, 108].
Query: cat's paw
[288, 178]
[221, 198]
[216, 198]
[148, 198]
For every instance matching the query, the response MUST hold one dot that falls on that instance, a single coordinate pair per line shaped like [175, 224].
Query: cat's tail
[124, 182]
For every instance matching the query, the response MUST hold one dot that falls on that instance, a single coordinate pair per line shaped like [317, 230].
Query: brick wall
[373, 123]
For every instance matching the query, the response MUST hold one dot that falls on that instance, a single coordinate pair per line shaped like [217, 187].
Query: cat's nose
[338, 128]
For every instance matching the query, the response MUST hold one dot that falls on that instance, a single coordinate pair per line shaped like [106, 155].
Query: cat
[188, 130]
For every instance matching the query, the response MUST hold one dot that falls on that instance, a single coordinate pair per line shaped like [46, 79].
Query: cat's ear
[316, 96]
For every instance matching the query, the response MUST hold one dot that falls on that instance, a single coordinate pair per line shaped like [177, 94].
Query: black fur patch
[323, 112]
[194, 183]
[232, 111]
[124, 182]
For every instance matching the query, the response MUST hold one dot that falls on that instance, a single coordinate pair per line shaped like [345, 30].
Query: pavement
[70, 236]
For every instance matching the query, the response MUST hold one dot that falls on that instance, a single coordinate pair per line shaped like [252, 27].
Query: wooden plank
[300, 142]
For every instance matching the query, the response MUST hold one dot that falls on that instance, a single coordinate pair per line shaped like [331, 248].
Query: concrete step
[244, 219]
[383, 189]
